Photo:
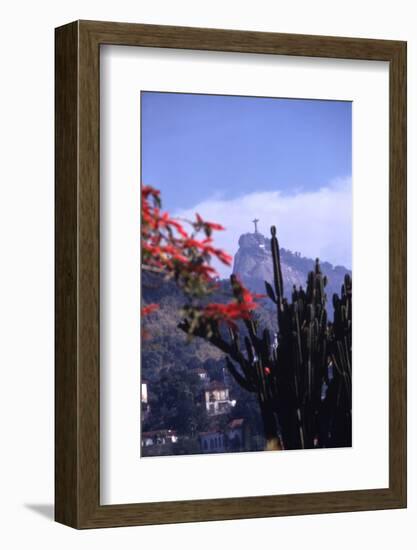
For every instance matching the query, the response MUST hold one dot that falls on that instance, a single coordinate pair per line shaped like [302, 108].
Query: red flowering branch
[240, 308]
[169, 249]
[184, 254]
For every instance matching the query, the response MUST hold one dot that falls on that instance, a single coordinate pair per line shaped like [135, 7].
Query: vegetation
[302, 379]
[297, 372]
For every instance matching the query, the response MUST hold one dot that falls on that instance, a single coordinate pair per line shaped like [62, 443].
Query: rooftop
[215, 385]
[236, 423]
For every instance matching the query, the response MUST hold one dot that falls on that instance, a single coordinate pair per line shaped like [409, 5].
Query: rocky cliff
[253, 264]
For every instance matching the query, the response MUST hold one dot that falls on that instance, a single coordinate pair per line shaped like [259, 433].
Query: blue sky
[233, 158]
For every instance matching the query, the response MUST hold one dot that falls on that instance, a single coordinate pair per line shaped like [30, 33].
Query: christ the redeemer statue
[255, 221]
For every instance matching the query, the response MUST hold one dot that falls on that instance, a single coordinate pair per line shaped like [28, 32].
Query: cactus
[303, 376]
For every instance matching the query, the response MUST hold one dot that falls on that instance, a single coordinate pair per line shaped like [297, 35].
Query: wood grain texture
[78, 285]
[66, 343]
[398, 273]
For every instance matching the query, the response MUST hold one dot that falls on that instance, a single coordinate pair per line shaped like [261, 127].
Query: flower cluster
[241, 307]
[169, 249]
[183, 250]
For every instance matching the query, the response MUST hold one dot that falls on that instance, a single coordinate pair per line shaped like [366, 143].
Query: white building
[144, 397]
[144, 392]
[159, 437]
[202, 374]
[216, 398]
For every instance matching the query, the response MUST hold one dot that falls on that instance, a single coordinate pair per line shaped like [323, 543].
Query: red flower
[211, 225]
[178, 227]
[215, 226]
[223, 257]
[168, 249]
[150, 308]
[148, 190]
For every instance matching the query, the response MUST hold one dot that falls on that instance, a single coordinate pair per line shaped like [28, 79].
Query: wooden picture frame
[77, 373]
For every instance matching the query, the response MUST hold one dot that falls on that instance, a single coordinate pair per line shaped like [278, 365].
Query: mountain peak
[252, 239]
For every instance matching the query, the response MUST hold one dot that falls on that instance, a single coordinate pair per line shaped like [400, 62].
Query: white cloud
[315, 223]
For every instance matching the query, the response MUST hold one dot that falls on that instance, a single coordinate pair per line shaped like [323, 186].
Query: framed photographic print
[230, 274]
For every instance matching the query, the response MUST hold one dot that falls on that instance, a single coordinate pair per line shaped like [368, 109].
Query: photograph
[246, 274]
